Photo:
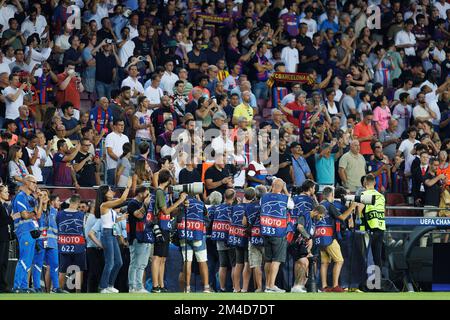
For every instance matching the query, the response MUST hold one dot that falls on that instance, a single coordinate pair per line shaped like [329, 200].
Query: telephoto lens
[158, 234]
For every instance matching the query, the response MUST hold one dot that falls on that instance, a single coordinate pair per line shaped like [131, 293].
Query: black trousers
[4, 255]
[95, 263]
[376, 239]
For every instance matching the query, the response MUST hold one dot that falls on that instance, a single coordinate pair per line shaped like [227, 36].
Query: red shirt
[294, 106]
[363, 131]
[70, 93]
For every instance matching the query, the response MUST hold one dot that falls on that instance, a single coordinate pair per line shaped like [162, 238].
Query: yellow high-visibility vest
[374, 214]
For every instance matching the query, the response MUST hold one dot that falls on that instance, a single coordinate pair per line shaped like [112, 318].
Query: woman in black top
[6, 229]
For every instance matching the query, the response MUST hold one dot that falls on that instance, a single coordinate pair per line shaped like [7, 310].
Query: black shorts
[275, 249]
[241, 255]
[161, 249]
[298, 251]
[76, 259]
[227, 258]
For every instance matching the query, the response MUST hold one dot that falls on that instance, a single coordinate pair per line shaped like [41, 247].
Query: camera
[109, 41]
[126, 13]
[190, 188]
[158, 233]
[141, 58]
[364, 199]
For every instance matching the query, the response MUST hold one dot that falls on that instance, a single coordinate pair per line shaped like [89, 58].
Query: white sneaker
[106, 290]
[278, 290]
[113, 290]
[131, 290]
[297, 289]
[303, 288]
[141, 291]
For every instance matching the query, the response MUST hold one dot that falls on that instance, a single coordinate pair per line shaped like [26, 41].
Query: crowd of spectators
[137, 71]
[132, 88]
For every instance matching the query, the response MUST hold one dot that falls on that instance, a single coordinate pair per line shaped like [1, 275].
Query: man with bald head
[390, 139]
[245, 85]
[101, 116]
[244, 109]
[61, 135]
[274, 207]
[352, 167]
[25, 124]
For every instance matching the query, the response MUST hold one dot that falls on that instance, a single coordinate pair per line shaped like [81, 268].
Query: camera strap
[300, 165]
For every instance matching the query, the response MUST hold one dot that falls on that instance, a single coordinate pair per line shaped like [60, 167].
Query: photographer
[238, 240]
[325, 238]
[71, 241]
[256, 242]
[192, 234]
[301, 246]
[274, 207]
[140, 246]
[220, 226]
[163, 215]
[373, 216]
[25, 214]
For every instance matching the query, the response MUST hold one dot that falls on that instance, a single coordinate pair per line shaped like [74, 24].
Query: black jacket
[5, 221]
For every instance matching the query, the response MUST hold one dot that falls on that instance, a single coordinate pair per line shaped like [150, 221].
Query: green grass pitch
[235, 296]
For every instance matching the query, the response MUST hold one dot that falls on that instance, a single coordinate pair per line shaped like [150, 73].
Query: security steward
[26, 212]
[373, 219]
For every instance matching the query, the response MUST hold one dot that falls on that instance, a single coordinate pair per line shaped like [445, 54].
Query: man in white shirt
[133, 26]
[126, 46]
[114, 143]
[223, 144]
[154, 92]
[35, 154]
[407, 146]
[37, 57]
[169, 78]
[34, 23]
[422, 111]
[232, 81]
[442, 6]
[132, 81]
[310, 21]
[290, 56]
[14, 97]
[4, 66]
[62, 43]
[406, 39]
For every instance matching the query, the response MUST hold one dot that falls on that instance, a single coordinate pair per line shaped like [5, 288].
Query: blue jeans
[26, 254]
[260, 90]
[113, 259]
[103, 89]
[51, 256]
[110, 177]
[139, 255]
